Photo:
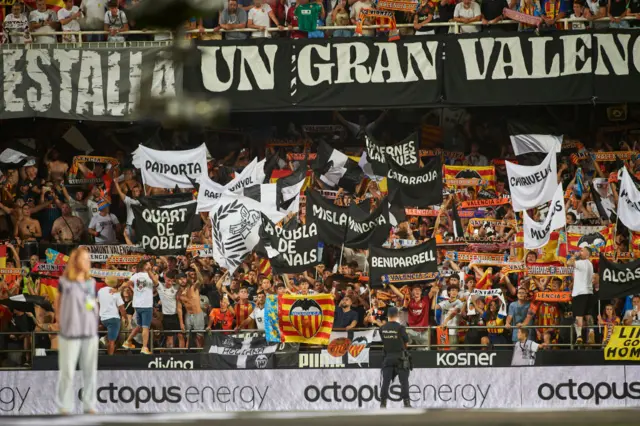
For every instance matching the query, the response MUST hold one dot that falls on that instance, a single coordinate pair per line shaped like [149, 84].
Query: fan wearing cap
[396, 360]
[104, 226]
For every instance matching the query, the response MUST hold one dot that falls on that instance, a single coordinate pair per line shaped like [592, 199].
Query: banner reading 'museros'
[165, 229]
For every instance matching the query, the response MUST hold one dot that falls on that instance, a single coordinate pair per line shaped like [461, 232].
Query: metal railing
[190, 336]
[454, 28]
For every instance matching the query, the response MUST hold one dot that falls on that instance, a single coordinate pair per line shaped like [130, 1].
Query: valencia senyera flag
[306, 318]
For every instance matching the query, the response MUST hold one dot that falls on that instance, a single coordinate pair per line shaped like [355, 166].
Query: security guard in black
[396, 358]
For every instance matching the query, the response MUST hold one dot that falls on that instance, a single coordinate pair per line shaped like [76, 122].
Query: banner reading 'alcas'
[618, 279]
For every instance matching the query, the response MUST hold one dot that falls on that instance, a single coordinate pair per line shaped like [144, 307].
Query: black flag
[290, 251]
[420, 188]
[164, 223]
[618, 279]
[330, 219]
[365, 229]
[404, 153]
[458, 230]
[418, 259]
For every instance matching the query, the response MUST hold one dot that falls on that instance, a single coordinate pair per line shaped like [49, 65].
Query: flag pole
[341, 252]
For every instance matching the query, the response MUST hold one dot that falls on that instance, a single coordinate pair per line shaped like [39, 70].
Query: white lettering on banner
[249, 58]
[413, 180]
[165, 237]
[349, 60]
[76, 78]
[330, 216]
[453, 359]
[295, 234]
[403, 262]
[125, 391]
[403, 154]
[364, 227]
[621, 277]
[576, 57]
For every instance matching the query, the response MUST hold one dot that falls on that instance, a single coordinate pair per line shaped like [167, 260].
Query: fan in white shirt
[259, 17]
[43, 21]
[582, 293]
[467, 12]
[69, 18]
[16, 22]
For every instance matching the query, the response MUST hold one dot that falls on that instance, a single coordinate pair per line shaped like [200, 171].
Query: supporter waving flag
[336, 169]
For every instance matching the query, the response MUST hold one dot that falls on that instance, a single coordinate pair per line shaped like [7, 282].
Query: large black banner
[290, 251]
[164, 224]
[417, 259]
[469, 69]
[404, 153]
[364, 229]
[618, 279]
[330, 219]
[419, 188]
[559, 67]
[82, 84]
[260, 74]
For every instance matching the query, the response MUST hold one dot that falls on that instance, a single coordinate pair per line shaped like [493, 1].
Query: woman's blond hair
[72, 270]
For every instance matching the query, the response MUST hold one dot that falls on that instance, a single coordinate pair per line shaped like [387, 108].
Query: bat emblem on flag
[357, 346]
[306, 317]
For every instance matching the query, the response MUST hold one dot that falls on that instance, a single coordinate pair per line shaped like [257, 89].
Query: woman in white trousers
[77, 313]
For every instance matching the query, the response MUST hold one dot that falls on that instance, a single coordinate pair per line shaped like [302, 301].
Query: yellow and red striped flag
[455, 176]
[306, 318]
[55, 5]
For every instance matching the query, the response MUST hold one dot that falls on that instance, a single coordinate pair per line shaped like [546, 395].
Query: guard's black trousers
[387, 377]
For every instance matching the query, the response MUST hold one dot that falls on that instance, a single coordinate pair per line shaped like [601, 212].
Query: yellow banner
[624, 344]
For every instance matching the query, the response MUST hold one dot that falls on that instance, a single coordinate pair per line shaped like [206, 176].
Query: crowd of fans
[24, 26]
[189, 294]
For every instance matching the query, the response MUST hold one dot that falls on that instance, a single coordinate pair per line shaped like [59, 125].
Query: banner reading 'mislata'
[417, 259]
[82, 84]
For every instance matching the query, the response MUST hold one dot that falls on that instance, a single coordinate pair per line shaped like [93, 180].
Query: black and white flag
[236, 221]
[13, 156]
[528, 137]
[264, 193]
[628, 201]
[418, 259]
[168, 169]
[330, 219]
[532, 186]
[404, 153]
[336, 169]
[419, 188]
[210, 191]
[164, 224]
[288, 190]
[537, 235]
[618, 279]
[364, 228]
[247, 352]
[290, 251]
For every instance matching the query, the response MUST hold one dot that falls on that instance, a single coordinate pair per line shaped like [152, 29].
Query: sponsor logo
[473, 396]
[586, 391]
[241, 396]
[320, 360]
[12, 399]
[171, 364]
[465, 359]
